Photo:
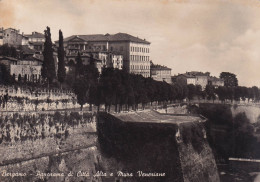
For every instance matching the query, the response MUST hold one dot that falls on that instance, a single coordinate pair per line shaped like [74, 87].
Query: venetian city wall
[27, 136]
[72, 142]
[36, 99]
[181, 151]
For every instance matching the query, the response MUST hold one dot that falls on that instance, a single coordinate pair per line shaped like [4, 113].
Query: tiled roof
[36, 43]
[157, 66]
[213, 78]
[8, 58]
[35, 35]
[197, 73]
[27, 50]
[187, 75]
[108, 37]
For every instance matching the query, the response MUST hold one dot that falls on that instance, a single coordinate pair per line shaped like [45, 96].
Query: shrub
[57, 116]
[66, 134]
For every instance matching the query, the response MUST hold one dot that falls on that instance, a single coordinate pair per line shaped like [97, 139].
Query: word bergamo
[85, 174]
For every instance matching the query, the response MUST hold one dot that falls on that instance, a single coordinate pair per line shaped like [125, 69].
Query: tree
[198, 91]
[61, 64]
[48, 67]
[79, 66]
[230, 79]
[210, 91]
[222, 93]
[84, 86]
[191, 91]
[19, 78]
[5, 76]
[6, 50]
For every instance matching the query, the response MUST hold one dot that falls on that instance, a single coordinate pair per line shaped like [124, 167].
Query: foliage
[10, 51]
[48, 67]
[85, 86]
[230, 79]
[61, 63]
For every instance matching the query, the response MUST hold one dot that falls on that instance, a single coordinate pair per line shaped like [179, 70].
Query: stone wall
[181, 151]
[30, 136]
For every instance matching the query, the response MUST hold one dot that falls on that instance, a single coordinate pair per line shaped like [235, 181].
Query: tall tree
[210, 91]
[192, 91]
[230, 79]
[48, 66]
[61, 64]
[79, 66]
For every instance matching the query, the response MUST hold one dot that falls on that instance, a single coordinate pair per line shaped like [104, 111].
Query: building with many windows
[28, 69]
[161, 73]
[198, 78]
[36, 41]
[135, 51]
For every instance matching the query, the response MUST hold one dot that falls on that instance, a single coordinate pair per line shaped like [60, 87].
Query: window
[121, 48]
[111, 48]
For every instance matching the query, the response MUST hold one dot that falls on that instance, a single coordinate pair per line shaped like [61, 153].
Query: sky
[186, 35]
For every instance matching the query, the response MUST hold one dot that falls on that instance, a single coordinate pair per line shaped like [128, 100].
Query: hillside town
[118, 51]
[101, 70]
[59, 96]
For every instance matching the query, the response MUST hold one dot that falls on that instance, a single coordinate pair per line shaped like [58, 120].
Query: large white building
[135, 51]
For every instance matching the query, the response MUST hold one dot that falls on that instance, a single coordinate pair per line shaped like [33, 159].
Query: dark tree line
[124, 91]
[10, 51]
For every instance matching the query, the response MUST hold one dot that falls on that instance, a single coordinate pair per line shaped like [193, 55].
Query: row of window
[162, 71]
[142, 67]
[139, 58]
[139, 49]
[120, 49]
[36, 39]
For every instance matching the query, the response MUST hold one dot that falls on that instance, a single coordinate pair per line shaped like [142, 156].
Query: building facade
[135, 51]
[36, 41]
[28, 69]
[185, 79]
[161, 73]
[199, 78]
[12, 37]
[216, 82]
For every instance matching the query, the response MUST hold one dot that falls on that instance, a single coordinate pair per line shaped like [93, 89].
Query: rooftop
[187, 75]
[157, 66]
[35, 35]
[108, 38]
[26, 50]
[213, 78]
[198, 73]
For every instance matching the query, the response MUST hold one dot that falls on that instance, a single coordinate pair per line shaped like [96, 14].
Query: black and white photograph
[129, 91]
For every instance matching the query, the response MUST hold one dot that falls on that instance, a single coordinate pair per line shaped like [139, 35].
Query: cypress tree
[79, 66]
[48, 67]
[61, 64]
